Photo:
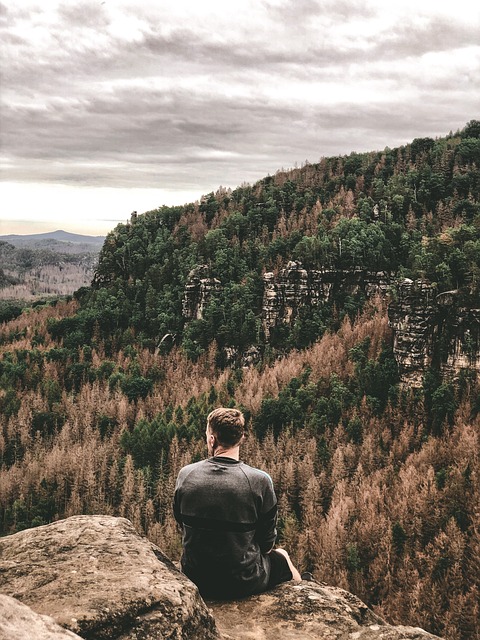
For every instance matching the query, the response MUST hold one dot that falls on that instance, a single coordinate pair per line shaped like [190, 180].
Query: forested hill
[103, 398]
[413, 211]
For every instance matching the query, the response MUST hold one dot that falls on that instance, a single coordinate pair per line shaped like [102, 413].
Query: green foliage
[399, 537]
[38, 509]
[443, 406]
[46, 422]
[289, 409]
[441, 478]
[148, 443]
[135, 387]
[52, 391]
[376, 379]
[106, 425]
[9, 403]
[414, 210]
[360, 244]
[440, 402]
[353, 561]
[355, 430]
[333, 400]
[471, 130]
[9, 309]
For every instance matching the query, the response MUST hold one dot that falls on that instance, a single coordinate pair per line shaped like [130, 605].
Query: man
[228, 513]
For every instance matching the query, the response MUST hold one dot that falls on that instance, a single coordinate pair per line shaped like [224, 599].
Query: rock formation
[19, 622]
[411, 317]
[295, 287]
[95, 576]
[198, 290]
[306, 611]
[432, 329]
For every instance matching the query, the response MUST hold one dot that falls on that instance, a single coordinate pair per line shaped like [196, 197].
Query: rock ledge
[98, 578]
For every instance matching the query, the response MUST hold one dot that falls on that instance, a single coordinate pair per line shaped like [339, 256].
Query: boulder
[306, 611]
[18, 622]
[96, 576]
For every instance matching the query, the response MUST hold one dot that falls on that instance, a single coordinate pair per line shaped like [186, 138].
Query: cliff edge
[98, 578]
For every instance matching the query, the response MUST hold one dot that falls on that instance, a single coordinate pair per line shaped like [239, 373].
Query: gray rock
[199, 288]
[97, 577]
[295, 287]
[19, 622]
[431, 327]
[306, 611]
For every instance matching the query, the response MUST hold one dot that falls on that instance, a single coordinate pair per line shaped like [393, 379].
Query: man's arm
[266, 533]
[176, 508]
[176, 500]
[267, 530]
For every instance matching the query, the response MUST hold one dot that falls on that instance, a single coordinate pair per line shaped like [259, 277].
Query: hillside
[410, 212]
[337, 305]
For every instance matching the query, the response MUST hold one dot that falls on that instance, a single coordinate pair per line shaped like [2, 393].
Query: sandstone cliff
[198, 291]
[295, 287]
[429, 328]
[433, 329]
[96, 577]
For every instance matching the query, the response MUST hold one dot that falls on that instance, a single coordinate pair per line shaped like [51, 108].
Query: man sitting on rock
[228, 513]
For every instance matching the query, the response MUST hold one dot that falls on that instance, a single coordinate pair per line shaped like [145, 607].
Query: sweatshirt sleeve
[266, 532]
[176, 501]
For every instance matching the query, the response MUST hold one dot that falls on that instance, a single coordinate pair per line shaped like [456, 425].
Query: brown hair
[227, 425]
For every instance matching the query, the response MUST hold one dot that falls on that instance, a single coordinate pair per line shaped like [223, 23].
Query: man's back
[228, 512]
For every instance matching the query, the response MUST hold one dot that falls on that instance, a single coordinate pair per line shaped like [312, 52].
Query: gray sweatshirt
[228, 513]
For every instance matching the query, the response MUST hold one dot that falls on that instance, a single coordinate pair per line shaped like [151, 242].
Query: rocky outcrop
[412, 318]
[295, 287]
[95, 576]
[433, 329]
[198, 291]
[19, 622]
[306, 611]
[285, 293]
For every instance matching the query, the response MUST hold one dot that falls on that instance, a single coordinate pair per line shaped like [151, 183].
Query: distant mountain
[42, 239]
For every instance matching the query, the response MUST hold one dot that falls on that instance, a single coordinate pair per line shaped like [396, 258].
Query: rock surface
[19, 622]
[412, 317]
[432, 328]
[199, 288]
[295, 287]
[97, 577]
[306, 611]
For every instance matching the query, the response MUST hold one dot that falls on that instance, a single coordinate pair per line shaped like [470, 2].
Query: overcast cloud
[107, 104]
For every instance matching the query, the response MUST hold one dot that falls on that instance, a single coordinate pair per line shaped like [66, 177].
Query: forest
[378, 483]
[32, 273]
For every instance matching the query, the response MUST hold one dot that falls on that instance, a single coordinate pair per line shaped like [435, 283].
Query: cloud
[107, 94]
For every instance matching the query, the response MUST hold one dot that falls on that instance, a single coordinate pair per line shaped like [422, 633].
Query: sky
[112, 106]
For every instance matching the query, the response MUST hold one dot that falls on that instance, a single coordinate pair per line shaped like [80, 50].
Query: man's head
[225, 428]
